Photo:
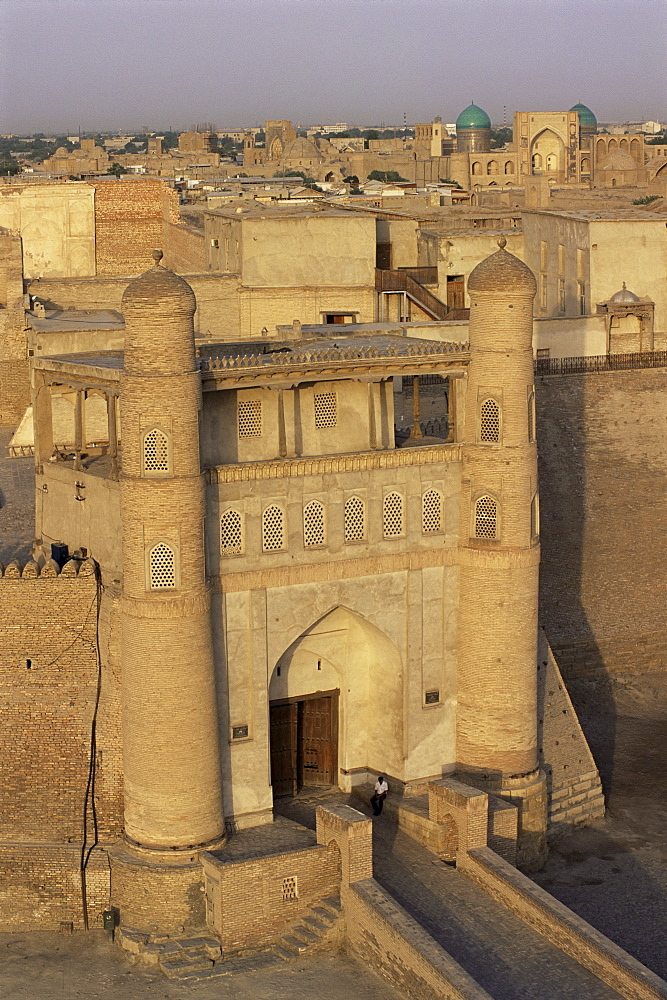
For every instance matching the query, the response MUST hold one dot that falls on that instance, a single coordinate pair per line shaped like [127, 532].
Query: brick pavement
[17, 502]
[506, 958]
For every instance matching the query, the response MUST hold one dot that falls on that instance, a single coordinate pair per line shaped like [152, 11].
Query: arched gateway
[335, 704]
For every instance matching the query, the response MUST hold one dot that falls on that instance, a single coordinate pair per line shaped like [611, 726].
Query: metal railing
[601, 363]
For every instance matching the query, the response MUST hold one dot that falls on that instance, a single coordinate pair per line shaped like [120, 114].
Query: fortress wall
[48, 690]
[128, 222]
[603, 459]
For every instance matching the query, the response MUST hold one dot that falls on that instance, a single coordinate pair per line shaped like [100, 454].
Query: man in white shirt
[379, 795]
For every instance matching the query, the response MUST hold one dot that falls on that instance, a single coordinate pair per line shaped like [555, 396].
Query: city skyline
[129, 63]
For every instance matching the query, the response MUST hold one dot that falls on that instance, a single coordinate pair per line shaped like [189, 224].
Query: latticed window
[325, 409]
[231, 533]
[156, 451]
[273, 529]
[392, 515]
[355, 519]
[313, 524]
[431, 512]
[486, 518]
[250, 418]
[489, 421]
[162, 565]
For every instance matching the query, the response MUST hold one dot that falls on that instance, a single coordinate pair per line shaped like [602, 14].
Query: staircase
[403, 281]
[200, 957]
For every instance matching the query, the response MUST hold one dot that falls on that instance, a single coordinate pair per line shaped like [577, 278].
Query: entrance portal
[304, 742]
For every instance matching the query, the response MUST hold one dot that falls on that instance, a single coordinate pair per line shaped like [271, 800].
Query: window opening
[355, 520]
[486, 517]
[156, 451]
[250, 418]
[273, 529]
[325, 409]
[392, 515]
[231, 533]
[431, 512]
[290, 888]
[489, 428]
[162, 567]
[313, 524]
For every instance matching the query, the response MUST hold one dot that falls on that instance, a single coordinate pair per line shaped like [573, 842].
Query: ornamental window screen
[231, 533]
[325, 409]
[162, 567]
[486, 518]
[290, 888]
[313, 524]
[273, 529]
[156, 451]
[431, 512]
[250, 418]
[489, 421]
[392, 515]
[355, 519]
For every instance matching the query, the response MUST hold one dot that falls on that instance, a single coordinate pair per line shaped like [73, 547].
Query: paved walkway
[508, 959]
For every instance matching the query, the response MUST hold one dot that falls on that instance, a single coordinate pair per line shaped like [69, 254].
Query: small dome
[158, 291]
[624, 296]
[502, 272]
[473, 117]
[586, 116]
[302, 149]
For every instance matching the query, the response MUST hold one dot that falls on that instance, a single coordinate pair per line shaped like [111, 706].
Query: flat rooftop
[70, 320]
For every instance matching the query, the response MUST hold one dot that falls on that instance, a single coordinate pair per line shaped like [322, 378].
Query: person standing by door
[379, 795]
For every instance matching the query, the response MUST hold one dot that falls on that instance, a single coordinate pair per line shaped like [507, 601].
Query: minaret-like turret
[171, 756]
[500, 552]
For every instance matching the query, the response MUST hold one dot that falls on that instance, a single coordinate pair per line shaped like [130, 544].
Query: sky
[67, 65]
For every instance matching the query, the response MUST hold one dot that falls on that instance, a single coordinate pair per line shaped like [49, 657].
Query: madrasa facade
[251, 585]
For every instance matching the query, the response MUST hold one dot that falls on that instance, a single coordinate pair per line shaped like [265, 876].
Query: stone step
[173, 967]
[316, 924]
[325, 915]
[304, 934]
[234, 967]
[286, 954]
[333, 902]
[295, 943]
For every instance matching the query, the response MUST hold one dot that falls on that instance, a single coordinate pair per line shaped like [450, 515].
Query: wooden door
[283, 724]
[317, 757]
[455, 291]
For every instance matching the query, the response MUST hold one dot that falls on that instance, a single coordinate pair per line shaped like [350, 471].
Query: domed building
[473, 130]
[301, 153]
[588, 123]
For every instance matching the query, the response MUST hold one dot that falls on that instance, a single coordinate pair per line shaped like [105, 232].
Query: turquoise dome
[473, 117]
[586, 116]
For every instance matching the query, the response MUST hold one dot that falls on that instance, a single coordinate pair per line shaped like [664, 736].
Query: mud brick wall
[154, 897]
[184, 249]
[40, 887]
[602, 461]
[48, 689]
[246, 897]
[14, 389]
[129, 222]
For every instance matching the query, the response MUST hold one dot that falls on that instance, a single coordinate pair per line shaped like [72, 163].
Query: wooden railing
[402, 281]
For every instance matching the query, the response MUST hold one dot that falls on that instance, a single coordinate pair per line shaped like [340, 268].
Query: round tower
[473, 131]
[171, 756]
[497, 664]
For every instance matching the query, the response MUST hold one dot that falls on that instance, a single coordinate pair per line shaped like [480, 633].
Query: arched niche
[344, 652]
[547, 150]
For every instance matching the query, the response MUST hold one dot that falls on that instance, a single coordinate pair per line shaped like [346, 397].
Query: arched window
[314, 532]
[273, 529]
[612, 146]
[492, 167]
[552, 162]
[586, 165]
[355, 519]
[231, 533]
[623, 144]
[486, 518]
[489, 421]
[531, 416]
[156, 451]
[431, 512]
[162, 567]
[392, 516]
[509, 167]
[476, 168]
[535, 516]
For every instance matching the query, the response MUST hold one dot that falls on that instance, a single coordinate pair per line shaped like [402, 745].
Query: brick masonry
[603, 457]
[129, 222]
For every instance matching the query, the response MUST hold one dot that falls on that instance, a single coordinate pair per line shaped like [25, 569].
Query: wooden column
[113, 435]
[416, 431]
[78, 427]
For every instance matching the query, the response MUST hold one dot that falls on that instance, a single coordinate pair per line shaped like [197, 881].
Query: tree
[500, 137]
[446, 180]
[352, 179]
[117, 169]
[387, 176]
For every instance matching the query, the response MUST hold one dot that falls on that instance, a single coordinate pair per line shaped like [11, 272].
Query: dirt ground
[614, 874]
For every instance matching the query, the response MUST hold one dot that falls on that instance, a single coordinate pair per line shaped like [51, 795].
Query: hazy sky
[66, 64]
